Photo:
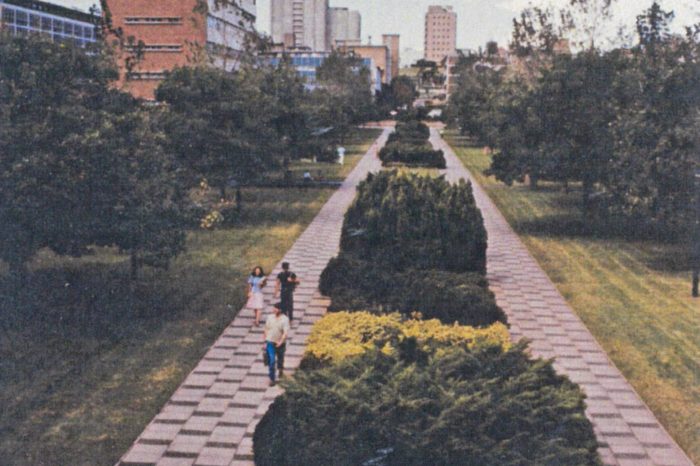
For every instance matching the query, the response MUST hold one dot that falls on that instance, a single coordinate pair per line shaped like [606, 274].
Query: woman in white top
[256, 300]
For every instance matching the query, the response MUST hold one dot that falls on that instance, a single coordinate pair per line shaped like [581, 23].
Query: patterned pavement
[627, 430]
[211, 418]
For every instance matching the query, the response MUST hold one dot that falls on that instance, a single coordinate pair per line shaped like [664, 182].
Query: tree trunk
[533, 181]
[587, 191]
[18, 272]
[239, 200]
[135, 263]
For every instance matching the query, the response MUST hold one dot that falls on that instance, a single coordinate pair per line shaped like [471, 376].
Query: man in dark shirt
[287, 281]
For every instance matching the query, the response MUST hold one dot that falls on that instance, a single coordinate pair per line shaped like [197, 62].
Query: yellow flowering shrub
[340, 335]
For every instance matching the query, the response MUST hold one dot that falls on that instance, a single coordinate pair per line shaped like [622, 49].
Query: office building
[306, 62]
[344, 27]
[300, 23]
[178, 33]
[440, 33]
[24, 17]
[379, 54]
[392, 41]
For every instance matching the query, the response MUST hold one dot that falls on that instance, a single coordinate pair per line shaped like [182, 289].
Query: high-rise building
[392, 41]
[344, 27]
[440, 33]
[300, 23]
[180, 33]
[24, 17]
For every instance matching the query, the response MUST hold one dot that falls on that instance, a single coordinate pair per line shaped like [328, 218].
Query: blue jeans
[275, 354]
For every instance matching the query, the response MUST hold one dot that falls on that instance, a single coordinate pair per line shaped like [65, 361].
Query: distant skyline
[478, 21]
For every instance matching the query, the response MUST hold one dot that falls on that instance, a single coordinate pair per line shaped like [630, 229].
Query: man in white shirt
[276, 330]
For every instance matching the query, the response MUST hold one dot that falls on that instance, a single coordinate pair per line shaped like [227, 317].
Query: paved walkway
[627, 430]
[210, 419]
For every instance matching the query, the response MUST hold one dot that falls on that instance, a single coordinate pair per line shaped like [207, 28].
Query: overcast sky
[478, 20]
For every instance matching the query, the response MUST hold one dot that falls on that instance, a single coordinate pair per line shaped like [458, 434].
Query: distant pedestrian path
[211, 418]
[627, 430]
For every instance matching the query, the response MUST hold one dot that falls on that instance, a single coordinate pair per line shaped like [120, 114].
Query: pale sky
[478, 21]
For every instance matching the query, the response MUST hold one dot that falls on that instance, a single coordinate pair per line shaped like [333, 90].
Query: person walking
[287, 282]
[276, 330]
[256, 300]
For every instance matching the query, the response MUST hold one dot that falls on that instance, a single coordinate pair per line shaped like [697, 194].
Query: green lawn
[88, 358]
[634, 295]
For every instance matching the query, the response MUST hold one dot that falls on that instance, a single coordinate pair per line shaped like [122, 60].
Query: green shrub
[402, 220]
[410, 130]
[484, 406]
[417, 155]
[357, 285]
[342, 335]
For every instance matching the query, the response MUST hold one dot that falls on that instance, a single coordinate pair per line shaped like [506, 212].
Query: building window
[158, 48]
[153, 20]
[146, 75]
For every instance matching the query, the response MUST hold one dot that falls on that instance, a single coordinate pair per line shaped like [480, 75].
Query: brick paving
[211, 417]
[627, 430]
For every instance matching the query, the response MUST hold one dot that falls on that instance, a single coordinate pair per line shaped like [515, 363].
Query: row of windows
[59, 38]
[19, 19]
[153, 20]
[159, 48]
[146, 75]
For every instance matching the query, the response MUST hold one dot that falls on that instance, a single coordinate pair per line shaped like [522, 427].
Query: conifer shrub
[341, 335]
[357, 285]
[410, 130]
[483, 406]
[408, 145]
[401, 221]
[412, 154]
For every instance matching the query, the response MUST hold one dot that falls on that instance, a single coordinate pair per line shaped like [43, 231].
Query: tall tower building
[440, 33]
[180, 33]
[392, 41]
[300, 23]
[344, 27]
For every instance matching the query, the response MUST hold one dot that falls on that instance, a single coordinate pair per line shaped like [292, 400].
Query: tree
[81, 163]
[656, 145]
[344, 97]
[290, 112]
[217, 125]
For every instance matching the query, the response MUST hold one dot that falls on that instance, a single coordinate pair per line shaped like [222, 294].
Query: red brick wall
[190, 33]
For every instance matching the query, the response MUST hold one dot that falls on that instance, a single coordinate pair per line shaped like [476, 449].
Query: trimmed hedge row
[416, 155]
[484, 406]
[409, 145]
[342, 335]
[357, 285]
[401, 221]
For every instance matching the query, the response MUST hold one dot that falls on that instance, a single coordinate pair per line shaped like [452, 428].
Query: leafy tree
[656, 146]
[344, 97]
[81, 163]
[290, 112]
[218, 125]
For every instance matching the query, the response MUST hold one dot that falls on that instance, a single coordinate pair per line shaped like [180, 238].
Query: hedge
[457, 406]
[401, 221]
[409, 145]
[341, 335]
[418, 155]
[410, 130]
[355, 285]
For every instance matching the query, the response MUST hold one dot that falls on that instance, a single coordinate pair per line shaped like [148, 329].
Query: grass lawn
[87, 358]
[634, 295]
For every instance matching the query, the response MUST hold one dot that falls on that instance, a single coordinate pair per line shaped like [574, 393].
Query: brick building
[179, 33]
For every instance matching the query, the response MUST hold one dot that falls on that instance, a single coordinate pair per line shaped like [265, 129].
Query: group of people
[277, 324]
